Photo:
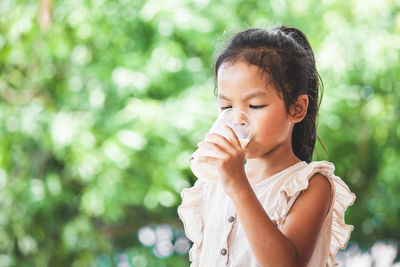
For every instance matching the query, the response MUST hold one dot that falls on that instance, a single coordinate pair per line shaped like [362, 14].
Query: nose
[242, 121]
[241, 118]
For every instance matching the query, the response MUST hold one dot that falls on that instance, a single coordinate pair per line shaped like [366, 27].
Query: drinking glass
[240, 123]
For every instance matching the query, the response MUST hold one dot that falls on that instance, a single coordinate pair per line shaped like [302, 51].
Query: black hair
[285, 55]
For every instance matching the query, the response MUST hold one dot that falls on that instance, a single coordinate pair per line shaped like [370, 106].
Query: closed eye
[252, 107]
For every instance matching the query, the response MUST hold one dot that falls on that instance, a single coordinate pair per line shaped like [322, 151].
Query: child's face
[272, 124]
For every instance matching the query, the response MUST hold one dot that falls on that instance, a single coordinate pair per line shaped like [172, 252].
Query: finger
[233, 137]
[211, 146]
[208, 159]
[221, 141]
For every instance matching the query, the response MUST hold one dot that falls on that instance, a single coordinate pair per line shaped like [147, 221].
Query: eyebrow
[248, 96]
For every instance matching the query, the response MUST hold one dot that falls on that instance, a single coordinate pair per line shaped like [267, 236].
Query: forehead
[242, 79]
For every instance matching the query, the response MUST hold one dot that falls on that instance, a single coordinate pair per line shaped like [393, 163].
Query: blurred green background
[102, 102]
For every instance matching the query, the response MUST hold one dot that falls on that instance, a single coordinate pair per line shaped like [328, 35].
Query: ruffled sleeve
[191, 214]
[342, 199]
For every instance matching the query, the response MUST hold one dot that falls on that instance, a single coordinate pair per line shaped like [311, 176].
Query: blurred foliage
[102, 102]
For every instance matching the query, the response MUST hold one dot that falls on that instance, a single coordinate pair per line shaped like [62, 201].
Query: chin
[248, 151]
[249, 155]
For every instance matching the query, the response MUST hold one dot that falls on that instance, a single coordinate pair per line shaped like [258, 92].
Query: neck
[274, 161]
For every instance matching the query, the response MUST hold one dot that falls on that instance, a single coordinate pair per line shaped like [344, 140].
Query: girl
[279, 208]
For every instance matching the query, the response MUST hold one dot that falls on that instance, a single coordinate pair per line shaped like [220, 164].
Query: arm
[295, 244]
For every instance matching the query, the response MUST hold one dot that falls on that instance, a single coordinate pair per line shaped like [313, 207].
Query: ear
[298, 110]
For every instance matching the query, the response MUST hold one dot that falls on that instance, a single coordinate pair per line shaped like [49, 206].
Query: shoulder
[318, 194]
[315, 191]
[319, 175]
[320, 183]
[319, 191]
[310, 192]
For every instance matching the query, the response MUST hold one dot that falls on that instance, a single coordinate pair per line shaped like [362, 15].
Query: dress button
[231, 219]
[223, 251]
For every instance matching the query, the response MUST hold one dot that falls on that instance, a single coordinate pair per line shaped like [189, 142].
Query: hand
[230, 161]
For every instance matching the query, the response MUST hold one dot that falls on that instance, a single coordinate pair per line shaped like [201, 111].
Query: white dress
[211, 223]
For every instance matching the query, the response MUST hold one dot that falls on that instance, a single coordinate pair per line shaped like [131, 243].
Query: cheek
[274, 123]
